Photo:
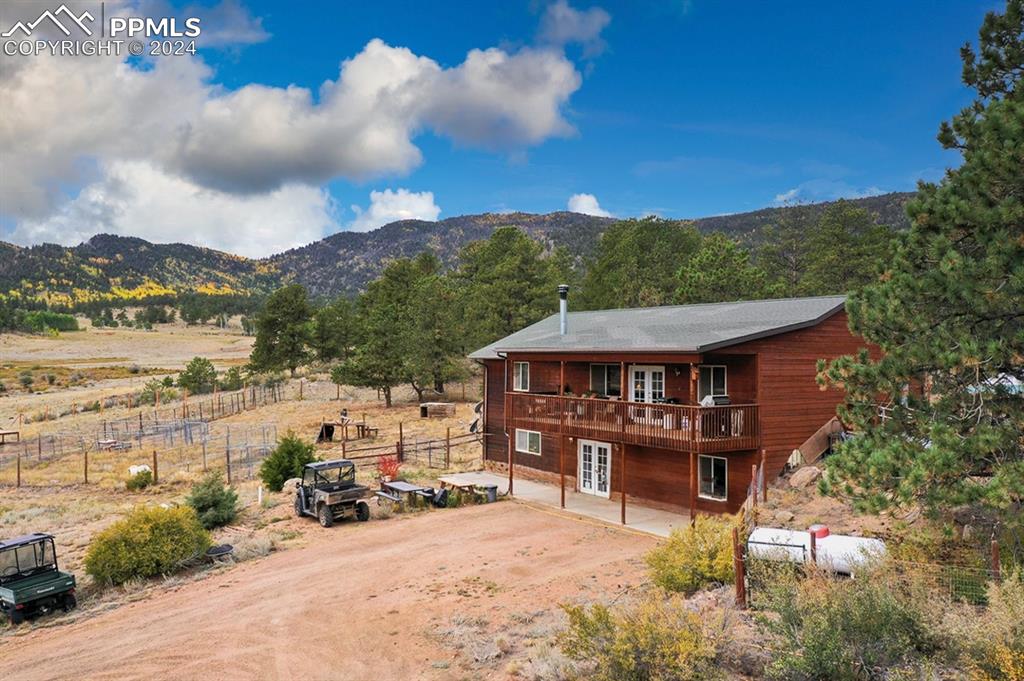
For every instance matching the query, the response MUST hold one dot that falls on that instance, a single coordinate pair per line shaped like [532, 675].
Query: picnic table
[467, 485]
[4, 434]
[400, 491]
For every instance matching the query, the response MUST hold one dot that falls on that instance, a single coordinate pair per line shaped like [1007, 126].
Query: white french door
[595, 466]
[646, 383]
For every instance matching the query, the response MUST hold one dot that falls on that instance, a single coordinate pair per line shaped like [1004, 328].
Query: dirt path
[359, 601]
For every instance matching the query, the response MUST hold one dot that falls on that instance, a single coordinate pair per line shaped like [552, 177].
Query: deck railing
[666, 426]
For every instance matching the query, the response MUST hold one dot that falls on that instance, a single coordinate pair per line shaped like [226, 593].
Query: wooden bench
[386, 495]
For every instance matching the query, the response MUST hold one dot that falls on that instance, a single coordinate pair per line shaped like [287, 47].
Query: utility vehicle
[30, 582]
[328, 491]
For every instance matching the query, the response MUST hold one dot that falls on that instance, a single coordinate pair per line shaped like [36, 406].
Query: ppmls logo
[110, 36]
[54, 19]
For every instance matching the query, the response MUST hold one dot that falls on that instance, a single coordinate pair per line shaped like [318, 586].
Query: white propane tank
[838, 552]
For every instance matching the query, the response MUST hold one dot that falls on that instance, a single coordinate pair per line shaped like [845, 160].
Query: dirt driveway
[388, 599]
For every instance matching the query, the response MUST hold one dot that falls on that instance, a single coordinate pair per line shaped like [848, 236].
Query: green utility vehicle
[30, 582]
[328, 491]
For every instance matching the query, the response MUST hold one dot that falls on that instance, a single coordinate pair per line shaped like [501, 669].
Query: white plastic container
[837, 552]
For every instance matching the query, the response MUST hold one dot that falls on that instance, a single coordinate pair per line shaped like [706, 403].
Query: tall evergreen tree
[283, 334]
[845, 250]
[636, 263]
[949, 317]
[505, 283]
[335, 330]
[721, 271]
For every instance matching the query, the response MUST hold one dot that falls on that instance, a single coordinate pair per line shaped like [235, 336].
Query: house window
[713, 478]
[712, 381]
[521, 376]
[605, 379]
[528, 441]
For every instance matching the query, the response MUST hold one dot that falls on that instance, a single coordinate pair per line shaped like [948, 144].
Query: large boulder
[289, 485]
[804, 477]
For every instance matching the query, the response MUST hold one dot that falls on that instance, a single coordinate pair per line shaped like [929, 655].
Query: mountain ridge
[109, 267]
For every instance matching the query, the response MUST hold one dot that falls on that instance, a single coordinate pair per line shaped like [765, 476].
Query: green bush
[147, 542]
[286, 461]
[846, 629]
[658, 639]
[215, 504]
[154, 386]
[198, 377]
[232, 379]
[695, 556]
[139, 481]
[26, 379]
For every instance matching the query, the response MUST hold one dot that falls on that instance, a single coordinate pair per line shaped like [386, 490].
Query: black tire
[325, 515]
[17, 617]
[70, 602]
[362, 512]
[298, 505]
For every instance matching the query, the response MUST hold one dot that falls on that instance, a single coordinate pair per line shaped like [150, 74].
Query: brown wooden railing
[666, 426]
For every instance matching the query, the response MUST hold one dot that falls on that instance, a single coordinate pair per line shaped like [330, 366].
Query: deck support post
[509, 432]
[622, 479]
[693, 486]
[764, 475]
[561, 432]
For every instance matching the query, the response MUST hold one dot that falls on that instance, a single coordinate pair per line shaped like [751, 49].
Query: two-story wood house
[673, 405]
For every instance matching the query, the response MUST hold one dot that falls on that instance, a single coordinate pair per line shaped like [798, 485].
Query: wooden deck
[684, 428]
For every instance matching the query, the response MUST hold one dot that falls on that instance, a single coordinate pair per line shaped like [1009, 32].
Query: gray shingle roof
[676, 328]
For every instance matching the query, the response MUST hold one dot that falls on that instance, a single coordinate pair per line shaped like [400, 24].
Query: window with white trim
[713, 477]
[712, 381]
[528, 441]
[521, 376]
[606, 379]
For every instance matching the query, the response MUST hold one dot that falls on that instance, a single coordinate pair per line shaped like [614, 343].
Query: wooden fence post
[156, 470]
[764, 475]
[85, 466]
[39, 448]
[19, 469]
[204, 456]
[401, 434]
[399, 453]
[448, 447]
[739, 568]
[344, 449]
[227, 463]
[814, 547]
[996, 568]
[753, 481]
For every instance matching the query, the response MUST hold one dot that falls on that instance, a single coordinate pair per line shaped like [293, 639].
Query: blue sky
[683, 109]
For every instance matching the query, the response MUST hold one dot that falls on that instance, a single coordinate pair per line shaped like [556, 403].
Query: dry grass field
[465, 593]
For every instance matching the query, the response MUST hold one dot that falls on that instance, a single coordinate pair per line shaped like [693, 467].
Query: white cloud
[588, 205]
[136, 198]
[825, 190]
[68, 123]
[389, 206]
[563, 24]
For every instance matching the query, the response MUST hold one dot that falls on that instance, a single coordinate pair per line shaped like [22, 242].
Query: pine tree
[721, 271]
[949, 317]
[636, 263]
[283, 334]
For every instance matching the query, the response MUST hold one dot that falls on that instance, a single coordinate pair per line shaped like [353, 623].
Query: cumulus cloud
[588, 205]
[825, 190]
[562, 24]
[69, 123]
[389, 206]
[138, 199]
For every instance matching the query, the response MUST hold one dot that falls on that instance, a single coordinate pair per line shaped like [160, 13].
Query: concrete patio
[639, 518]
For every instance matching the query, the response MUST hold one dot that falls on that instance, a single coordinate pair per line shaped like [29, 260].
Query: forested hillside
[124, 270]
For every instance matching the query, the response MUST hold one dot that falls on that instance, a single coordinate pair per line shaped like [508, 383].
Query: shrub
[215, 504]
[152, 388]
[199, 376]
[694, 556]
[149, 541]
[657, 639]
[139, 481]
[846, 629]
[26, 379]
[232, 379]
[286, 461]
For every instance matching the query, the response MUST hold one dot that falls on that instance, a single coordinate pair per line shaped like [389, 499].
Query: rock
[289, 485]
[142, 468]
[968, 532]
[783, 517]
[804, 477]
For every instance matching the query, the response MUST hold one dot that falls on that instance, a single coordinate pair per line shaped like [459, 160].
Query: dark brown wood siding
[793, 406]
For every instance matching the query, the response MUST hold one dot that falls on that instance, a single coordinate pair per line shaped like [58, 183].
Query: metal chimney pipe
[563, 308]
